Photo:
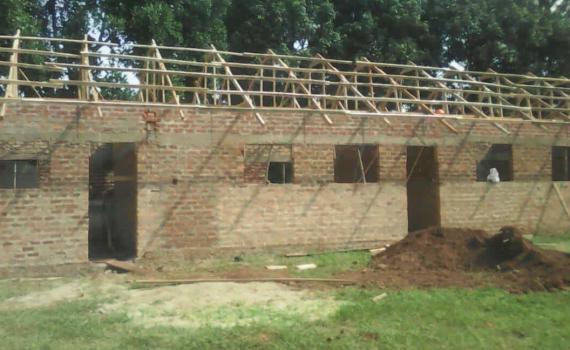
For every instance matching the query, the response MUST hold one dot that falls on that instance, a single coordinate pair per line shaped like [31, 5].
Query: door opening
[113, 201]
[422, 188]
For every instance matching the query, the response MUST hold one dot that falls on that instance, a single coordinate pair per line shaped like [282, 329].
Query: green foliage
[195, 23]
[560, 242]
[19, 14]
[123, 94]
[328, 264]
[385, 30]
[283, 25]
[506, 35]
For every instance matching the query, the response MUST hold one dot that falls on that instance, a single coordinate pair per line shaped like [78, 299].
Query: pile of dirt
[512, 260]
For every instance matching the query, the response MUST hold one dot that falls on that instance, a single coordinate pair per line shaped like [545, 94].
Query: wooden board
[244, 280]
[124, 266]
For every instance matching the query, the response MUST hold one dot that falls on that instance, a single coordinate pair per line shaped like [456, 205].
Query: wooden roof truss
[66, 69]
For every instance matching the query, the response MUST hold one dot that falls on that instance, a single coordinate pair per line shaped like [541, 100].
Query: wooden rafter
[166, 77]
[317, 84]
[237, 85]
[461, 98]
[336, 72]
[12, 88]
[413, 97]
[292, 74]
[87, 92]
[539, 98]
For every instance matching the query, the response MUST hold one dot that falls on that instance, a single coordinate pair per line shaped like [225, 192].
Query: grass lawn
[414, 319]
[558, 242]
[328, 263]
[405, 319]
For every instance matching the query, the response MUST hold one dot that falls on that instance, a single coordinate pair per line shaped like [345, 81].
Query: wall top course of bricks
[207, 126]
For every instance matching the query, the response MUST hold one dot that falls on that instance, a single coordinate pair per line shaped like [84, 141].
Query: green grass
[412, 319]
[14, 287]
[327, 263]
[556, 242]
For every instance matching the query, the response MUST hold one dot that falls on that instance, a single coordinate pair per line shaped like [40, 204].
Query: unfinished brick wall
[257, 157]
[459, 162]
[392, 163]
[191, 216]
[46, 225]
[534, 206]
[313, 163]
[528, 201]
[317, 215]
[198, 192]
[532, 163]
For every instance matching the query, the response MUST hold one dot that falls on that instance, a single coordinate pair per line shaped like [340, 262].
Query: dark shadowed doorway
[422, 188]
[113, 201]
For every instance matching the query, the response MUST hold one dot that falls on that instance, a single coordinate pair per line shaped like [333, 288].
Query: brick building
[282, 153]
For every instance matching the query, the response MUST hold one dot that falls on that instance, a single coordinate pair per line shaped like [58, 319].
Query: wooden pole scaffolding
[561, 198]
[462, 99]
[415, 98]
[162, 67]
[314, 101]
[267, 81]
[12, 88]
[237, 85]
[87, 92]
[336, 72]
[361, 165]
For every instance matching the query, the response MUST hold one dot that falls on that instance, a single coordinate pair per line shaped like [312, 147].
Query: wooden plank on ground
[302, 254]
[377, 251]
[244, 280]
[124, 266]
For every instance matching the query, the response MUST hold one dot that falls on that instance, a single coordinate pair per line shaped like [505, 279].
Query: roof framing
[54, 69]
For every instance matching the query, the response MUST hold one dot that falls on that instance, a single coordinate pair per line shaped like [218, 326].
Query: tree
[505, 35]
[385, 30]
[195, 23]
[20, 14]
[284, 25]
[67, 18]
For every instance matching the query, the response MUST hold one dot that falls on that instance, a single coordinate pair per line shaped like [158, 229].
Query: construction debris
[303, 254]
[124, 266]
[379, 297]
[377, 251]
[296, 255]
[306, 266]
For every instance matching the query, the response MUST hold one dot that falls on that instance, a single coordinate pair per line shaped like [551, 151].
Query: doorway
[113, 201]
[422, 188]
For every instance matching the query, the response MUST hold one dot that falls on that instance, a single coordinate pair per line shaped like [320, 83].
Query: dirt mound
[507, 255]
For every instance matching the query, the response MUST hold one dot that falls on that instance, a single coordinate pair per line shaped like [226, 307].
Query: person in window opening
[493, 176]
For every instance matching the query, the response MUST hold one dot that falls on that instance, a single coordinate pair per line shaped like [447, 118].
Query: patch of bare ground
[212, 304]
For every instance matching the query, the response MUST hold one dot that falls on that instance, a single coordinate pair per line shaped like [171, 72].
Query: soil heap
[507, 255]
